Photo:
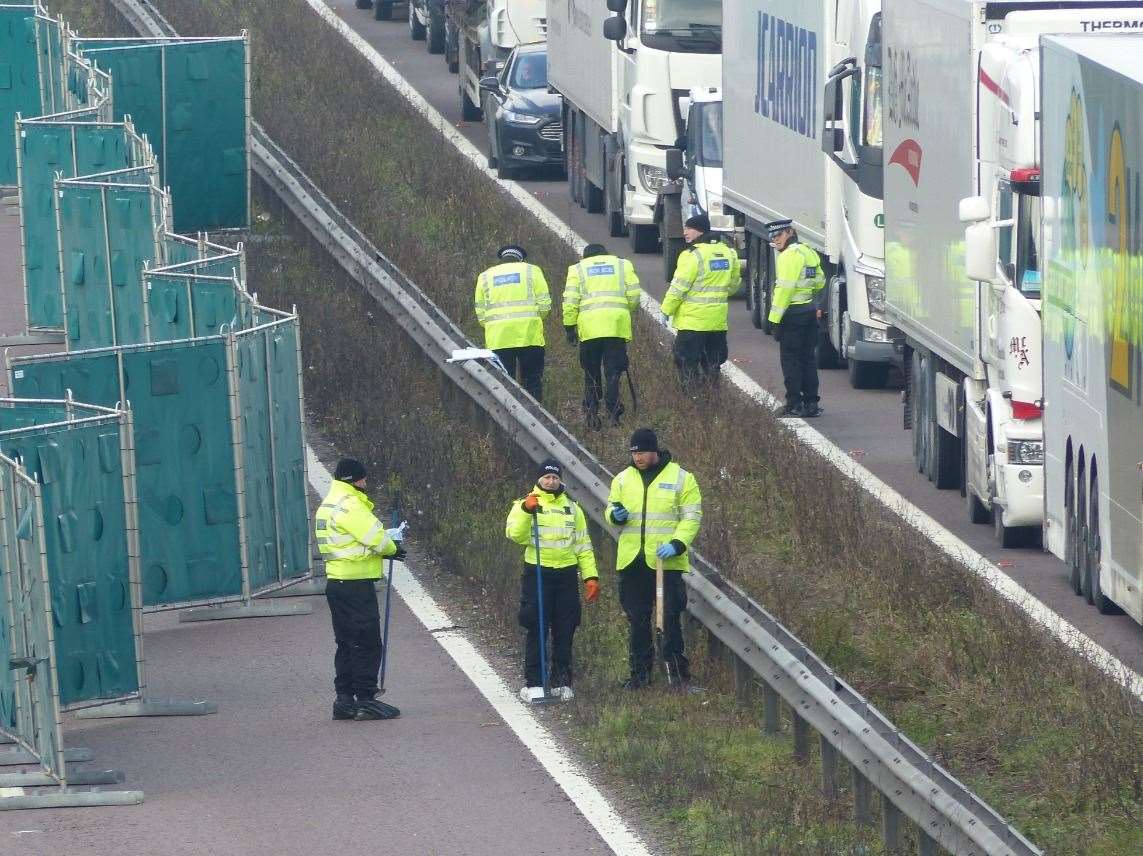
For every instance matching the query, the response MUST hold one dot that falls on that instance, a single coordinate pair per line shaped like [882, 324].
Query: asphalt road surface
[866, 424]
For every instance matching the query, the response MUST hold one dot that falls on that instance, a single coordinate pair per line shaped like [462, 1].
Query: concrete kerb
[946, 541]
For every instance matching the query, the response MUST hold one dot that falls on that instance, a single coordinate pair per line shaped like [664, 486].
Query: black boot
[344, 707]
[371, 708]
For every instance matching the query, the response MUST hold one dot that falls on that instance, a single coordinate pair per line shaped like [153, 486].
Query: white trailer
[961, 132]
[1092, 138]
[626, 81]
[481, 33]
[788, 155]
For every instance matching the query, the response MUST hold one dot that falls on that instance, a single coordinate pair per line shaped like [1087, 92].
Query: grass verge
[1050, 743]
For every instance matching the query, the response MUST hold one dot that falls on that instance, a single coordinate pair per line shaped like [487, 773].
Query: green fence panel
[290, 489]
[106, 237]
[189, 535]
[66, 148]
[29, 708]
[183, 306]
[19, 80]
[79, 469]
[258, 470]
[199, 133]
[179, 250]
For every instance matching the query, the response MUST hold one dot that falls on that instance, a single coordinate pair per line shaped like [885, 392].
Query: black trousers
[603, 362]
[798, 341]
[357, 631]
[699, 356]
[526, 365]
[562, 612]
[637, 597]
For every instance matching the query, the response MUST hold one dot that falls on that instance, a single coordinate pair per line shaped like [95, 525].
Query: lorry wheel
[865, 375]
[644, 238]
[1102, 602]
[1085, 562]
[436, 34]
[1071, 534]
[416, 28]
[593, 197]
[977, 513]
[672, 248]
[383, 10]
[505, 172]
[469, 111]
[827, 353]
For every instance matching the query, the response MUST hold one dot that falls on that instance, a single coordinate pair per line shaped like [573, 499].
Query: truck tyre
[866, 375]
[672, 248]
[1102, 602]
[416, 28]
[616, 227]
[505, 172]
[364, 4]
[452, 48]
[1085, 561]
[1006, 536]
[977, 513]
[827, 353]
[436, 34]
[383, 10]
[593, 197]
[1071, 534]
[644, 237]
[469, 111]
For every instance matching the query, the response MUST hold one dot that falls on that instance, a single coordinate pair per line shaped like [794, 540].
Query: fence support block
[67, 798]
[143, 707]
[890, 825]
[13, 757]
[43, 780]
[244, 610]
[862, 799]
[302, 588]
[829, 769]
[771, 716]
[801, 738]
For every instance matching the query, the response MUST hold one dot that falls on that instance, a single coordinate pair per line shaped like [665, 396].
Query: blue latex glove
[666, 551]
[619, 514]
[397, 534]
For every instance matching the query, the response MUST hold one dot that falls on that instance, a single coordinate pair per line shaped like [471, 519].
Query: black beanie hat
[349, 470]
[550, 467]
[594, 250]
[644, 440]
[700, 222]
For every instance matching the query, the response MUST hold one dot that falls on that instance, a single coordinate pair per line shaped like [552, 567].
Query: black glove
[573, 337]
[401, 553]
[767, 327]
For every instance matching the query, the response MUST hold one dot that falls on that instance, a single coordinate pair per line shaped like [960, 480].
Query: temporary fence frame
[251, 601]
[137, 702]
[31, 746]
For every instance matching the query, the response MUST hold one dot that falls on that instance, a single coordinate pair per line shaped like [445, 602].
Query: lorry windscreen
[688, 26]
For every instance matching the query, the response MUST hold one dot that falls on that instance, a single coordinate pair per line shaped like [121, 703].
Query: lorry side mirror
[616, 5]
[490, 83]
[615, 29]
[973, 209]
[681, 142]
[675, 168]
[834, 110]
[980, 252]
[833, 140]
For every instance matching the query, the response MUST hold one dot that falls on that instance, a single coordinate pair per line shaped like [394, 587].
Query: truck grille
[553, 131]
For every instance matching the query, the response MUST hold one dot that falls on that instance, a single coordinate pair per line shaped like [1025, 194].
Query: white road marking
[539, 741]
[948, 542]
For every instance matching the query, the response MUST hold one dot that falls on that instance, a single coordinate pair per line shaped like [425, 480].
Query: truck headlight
[521, 118]
[653, 178]
[1026, 452]
[875, 290]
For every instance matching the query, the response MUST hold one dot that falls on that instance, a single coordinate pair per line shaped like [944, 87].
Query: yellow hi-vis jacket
[600, 294]
[564, 541]
[512, 301]
[799, 280]
[669, 509]
[350, 539]
[707, 274]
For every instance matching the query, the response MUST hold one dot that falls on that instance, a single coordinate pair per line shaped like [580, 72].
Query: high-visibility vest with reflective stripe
[600, 294]
[564, 539]
[350, 539]
[669, 509]
[798, 282]
[512, 301]
[706, 275]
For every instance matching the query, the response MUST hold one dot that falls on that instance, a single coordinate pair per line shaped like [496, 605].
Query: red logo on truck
[908, 155]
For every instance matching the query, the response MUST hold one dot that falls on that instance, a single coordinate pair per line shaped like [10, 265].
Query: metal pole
[58, 761]
[890, 825]
[302, 425]
[801, 738]
[771, 711]
[274, 475]
[829, 769]
[131, 516]
[107, 263]
[23, 226]
[60, 261]
[742, 679]
[237, 441]
[862, 799]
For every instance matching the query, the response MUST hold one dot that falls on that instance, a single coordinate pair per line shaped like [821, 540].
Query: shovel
[543, 694]
[668, 665]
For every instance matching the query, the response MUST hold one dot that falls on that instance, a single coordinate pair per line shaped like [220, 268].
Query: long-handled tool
[668, 664]
[394, 518]
[542, 694]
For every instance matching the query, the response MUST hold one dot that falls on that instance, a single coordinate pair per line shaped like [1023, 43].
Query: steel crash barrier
[70, 637]
[911, 786]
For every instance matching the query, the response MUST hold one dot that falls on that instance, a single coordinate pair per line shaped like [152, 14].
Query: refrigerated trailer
[961, 143]
[1092, 132]
[802, 132]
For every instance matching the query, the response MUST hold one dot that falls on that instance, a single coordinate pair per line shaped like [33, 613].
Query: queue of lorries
[971, 171]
